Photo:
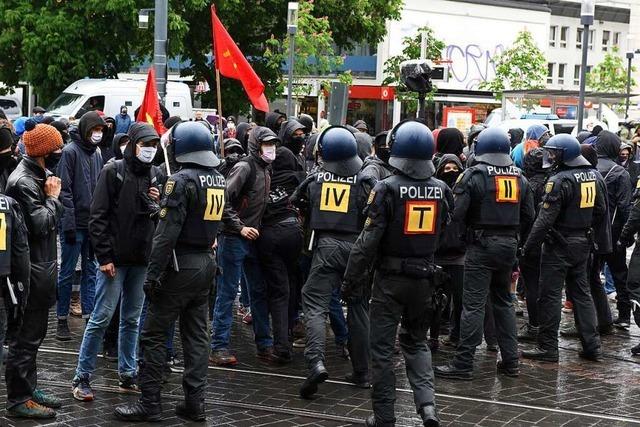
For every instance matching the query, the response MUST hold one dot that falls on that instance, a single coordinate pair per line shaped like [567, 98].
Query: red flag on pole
[232, 63]
[150, 109]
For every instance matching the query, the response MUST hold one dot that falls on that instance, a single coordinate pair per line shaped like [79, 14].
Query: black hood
[448, 158]
[450, 141]
[516, 135]
[142, 132]
[532, 163]
[287, 129]
[608, 145]
[258, 134]
[242, 133]
[87, 122]
[365, 144]
[589, 153]
[271, 121]
[115, 145]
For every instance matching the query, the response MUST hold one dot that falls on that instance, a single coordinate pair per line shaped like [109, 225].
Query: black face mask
[52, 160]
[383, 153]
[450, 178]
[295, 144]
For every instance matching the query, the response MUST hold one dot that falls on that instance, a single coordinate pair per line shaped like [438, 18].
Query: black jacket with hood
[616, 178]
[41, 214]
[121, 225]
[536, 174]
[295, 145]
[452, 248]
[79, 167]
[287, 175]
[249, 199]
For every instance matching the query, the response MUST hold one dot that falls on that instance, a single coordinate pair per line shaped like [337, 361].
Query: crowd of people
[283, 225]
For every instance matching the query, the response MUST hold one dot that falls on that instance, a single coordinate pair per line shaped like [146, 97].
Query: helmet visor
[416, 169]
[495, 159]
[347, 167]
[551, 157]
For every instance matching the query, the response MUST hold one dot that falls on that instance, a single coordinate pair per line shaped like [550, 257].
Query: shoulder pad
[173, 190]
[463, 179]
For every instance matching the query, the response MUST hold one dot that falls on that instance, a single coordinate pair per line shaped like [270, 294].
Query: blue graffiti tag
[472, 64]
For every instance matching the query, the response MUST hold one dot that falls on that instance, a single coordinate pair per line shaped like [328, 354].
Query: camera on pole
[416, 76]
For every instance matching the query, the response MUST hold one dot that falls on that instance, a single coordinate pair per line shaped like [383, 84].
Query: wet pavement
[572, 393]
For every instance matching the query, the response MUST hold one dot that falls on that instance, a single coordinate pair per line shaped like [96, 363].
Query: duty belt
[566, 231]
[422, 268]
[497, 231]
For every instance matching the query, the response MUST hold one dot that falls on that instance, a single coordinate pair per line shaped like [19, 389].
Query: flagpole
[219, 93]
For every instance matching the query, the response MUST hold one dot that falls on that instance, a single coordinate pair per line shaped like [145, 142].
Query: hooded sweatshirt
[516, 136]
[451, 248]
[271, 121]
[450, 141]
[79, 167]
[365, 144]
[294, 144]
[535, 174]
[533, 135]
[249, 199]
[121, 224]
[242, 135]
[287, 175]
[115, 145]
[616, 178]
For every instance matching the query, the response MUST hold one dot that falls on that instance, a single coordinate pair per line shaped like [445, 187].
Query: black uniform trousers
[487, 271]
[633, 281]
[617, 262]
[183, 294]
[21, 372]
[279, 249]
[530, 272]
[598, 293]
[397, 299]
[327, 269]
[566, 265]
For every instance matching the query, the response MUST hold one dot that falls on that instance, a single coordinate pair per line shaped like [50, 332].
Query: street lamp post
[292, 29]
[587, 12]
[159, 42]
[630, 56]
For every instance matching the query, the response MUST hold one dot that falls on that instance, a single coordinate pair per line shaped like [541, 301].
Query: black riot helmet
[193, 143]
[493, 147]
[339, 151]
[412, 147]
[563, 148]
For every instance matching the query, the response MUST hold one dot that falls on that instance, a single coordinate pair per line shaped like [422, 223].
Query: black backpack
[121, 172]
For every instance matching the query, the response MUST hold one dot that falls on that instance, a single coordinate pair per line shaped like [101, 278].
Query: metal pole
[220, 132]
[583, 75]
[160, 46]
[292, 46]
[629, 58]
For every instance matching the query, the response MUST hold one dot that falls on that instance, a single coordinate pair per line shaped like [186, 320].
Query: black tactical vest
[6, 227]
[418, 209]
[334, 203]
[204, 210]
[577, 212]
[499, 205]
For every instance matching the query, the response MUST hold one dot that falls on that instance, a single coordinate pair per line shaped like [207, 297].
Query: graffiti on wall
[472, 64]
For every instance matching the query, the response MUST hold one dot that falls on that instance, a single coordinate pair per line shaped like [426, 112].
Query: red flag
[150, 109]
[232, 63]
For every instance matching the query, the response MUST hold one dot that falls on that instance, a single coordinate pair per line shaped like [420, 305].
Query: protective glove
[70, 237]
[151, 288]
[350, 293]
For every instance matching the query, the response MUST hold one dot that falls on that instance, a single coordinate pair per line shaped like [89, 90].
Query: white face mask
[146, 154]
[124, 147]
[96, 136]
[231, 125]
[268, 153]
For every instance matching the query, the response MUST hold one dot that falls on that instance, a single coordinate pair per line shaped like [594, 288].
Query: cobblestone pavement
[572, 393]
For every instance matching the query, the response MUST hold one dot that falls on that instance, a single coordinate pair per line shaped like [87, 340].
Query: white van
[108, 95]
[11, 107]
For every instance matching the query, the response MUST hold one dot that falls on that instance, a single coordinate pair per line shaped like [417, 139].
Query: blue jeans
[235, 255]
[336, 318]
[70, 254]
[128, 284]
[609, 287]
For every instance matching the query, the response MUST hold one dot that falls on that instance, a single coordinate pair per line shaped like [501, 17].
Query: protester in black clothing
[279, 248]
[274, 120]
[619, 193]
[515, 135]
[626, 161]
[450, 141]
[7, 160]
[37, 193]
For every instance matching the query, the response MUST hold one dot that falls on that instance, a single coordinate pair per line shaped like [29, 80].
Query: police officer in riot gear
[333, 198]
[574, 200]
[406, 217]
[193, 206]
[495, 203]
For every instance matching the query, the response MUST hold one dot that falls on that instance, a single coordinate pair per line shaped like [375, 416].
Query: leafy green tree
[51, 43]
[522, 66]
[314, 51]
[411, 46]
[610, 75]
